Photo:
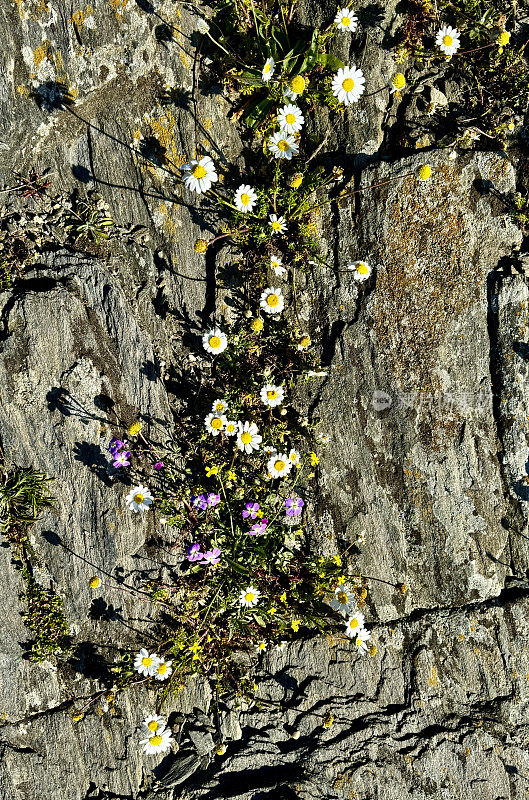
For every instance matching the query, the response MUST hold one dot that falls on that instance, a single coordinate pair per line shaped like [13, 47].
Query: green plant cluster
[24, 494]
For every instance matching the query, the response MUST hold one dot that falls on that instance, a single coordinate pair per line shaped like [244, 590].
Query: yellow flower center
[424, 172]
[272, 300]
[362, 268]
[94, 582]
[214, 342]
[216, 423]
[155, 740]
[245, 199]
[305, 341]
[257, 325]
[249, 596]
[359, 641]
[146, 661]
[153, 725]
[138, 498]
[219, 407]
[290, 119]
[346, 21]
[266, 69]
[230, 427]
[353, 624]
[262, 646]
[348, 85]
[447, 40]
[342, 598]
[279, 465]
[298, 84]
[503, 38]
[271, 395]
[282, 145]
[198, 171]
[398, 80]
[246, 437]
[276, 226]
[162, 669]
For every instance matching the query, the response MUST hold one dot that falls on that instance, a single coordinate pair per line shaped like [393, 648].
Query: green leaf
[330, 61]
[258, 111]
[260, 621]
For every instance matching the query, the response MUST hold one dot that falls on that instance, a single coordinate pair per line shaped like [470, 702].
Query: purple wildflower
[250, 510]
[193, 552]
[294, 506]
[212, 499]
[158, 465]
[121, 459]
[199, 502]
[258, 527]
[211, 556]
[115, 446]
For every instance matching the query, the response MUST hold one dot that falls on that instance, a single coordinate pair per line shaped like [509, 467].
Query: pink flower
[211, 556]
[158, 465]
[258, 527]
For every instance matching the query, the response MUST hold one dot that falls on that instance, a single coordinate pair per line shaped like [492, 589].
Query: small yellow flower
[341, 579]
[298, 84]
[283, 597]
[94, 582]
[134, 429]
[231, 476]
[401, 587]
[109, 697]
[296, 180]
[328, 721]
[372, 650]
[220, 749]
[424, 172]
[201, 245]
[503, 38]
[272, 610]
[314, 460]
[211, 471]
[295, 625]
[77, 717]
[398, 81]
[257, 325]
[304, 342]
[337, 560]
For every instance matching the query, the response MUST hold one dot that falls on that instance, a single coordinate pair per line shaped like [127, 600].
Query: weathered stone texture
[425, 403]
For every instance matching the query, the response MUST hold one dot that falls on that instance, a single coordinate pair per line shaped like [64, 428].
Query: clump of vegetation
[24, 494]
[88, 221]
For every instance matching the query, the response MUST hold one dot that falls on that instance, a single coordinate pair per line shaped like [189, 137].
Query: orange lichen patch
[41, 52]
[77, 19]
[185, 61]
[207, 123]
[119, 7]
[34, 9]
[429, 277]
[163, 127]
[22, 90]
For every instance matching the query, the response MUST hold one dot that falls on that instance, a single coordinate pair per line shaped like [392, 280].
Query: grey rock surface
[425, 403]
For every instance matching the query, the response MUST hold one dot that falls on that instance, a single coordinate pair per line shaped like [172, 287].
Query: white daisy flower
[197, 176]
[345, 20]
[280, 646]
[283, 145]
[146, 663]
[272, 301]
[279, 465]
[290, 118]
[245, 198]
[272, 395]
[360, 269]
[344, 600]
[261, 646]
[361, 640]
[163, 670]
[276, 265]
[289, 94]
[139, 499]
[277, 224]
[153, 724]
[249, 597]
[324, 437]
[214, 341]
[348, 85]
[157, 742]
[294, 457]
[215, 423]
[304, 342]
[231, 427]
[269, 451]
[355, 624]
[268, 69]
[219, 406]
[248, 438]
[448, 40]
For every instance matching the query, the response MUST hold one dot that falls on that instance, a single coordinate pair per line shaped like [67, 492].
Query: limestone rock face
[425, 402]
